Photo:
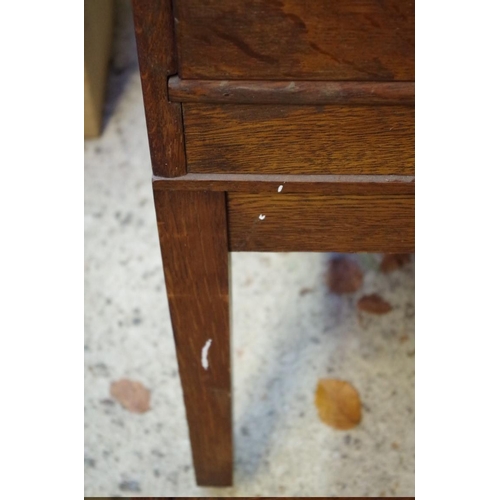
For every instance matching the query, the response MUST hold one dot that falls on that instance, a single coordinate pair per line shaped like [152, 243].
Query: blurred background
[298, 318]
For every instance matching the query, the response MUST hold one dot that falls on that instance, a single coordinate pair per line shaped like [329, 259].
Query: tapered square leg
[193, 237]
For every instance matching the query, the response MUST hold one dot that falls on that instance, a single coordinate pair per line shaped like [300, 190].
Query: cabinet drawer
[273, 139]
[296, 39]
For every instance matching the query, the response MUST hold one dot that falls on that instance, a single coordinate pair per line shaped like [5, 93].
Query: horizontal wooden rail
[286, 92]
[320, 184]
[310, 213]
[311, 222]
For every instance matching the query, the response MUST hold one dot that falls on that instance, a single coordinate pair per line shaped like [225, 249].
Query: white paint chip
[280, 188]
[204, 354]
[262, 216]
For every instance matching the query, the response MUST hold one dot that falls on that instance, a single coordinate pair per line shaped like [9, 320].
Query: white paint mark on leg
[280, 188]
[262, 216]
[204, 354]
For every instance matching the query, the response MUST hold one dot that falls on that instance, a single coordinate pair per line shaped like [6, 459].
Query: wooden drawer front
[296, 39]
[319, 223]
[272, 139]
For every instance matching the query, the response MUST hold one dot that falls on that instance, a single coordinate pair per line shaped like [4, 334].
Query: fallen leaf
[338, 403]
[395, 446]
[374, 304]
[404, 338]
[344, 275]
[393, 261]
[305, 291]
[133, 396]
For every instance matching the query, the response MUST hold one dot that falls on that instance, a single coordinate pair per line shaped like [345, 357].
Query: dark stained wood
[155, 46]
[317, 184]
[269, 139]
[299, 125]
[193, 237]
[320, 223]
[286, 92]
[296, 39]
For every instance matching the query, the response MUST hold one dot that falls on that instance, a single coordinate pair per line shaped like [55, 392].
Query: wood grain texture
[298, 40]
[154, 33]
[193, 238]
[268, 139]
[320, 223]
[286, 92]
[317, 184]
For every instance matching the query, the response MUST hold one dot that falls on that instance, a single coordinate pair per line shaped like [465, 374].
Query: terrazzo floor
[288, 332]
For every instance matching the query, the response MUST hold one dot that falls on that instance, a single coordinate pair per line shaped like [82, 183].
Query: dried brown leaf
[393, 261]
[132, 395]
[344, 275]
[374, 304]
[338, 403]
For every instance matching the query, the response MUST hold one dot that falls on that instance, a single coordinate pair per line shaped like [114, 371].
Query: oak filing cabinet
[274, 125]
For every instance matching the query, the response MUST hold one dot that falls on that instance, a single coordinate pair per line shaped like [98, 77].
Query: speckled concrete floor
[284, 340]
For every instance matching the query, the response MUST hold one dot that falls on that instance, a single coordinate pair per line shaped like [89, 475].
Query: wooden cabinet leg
[193, 237]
